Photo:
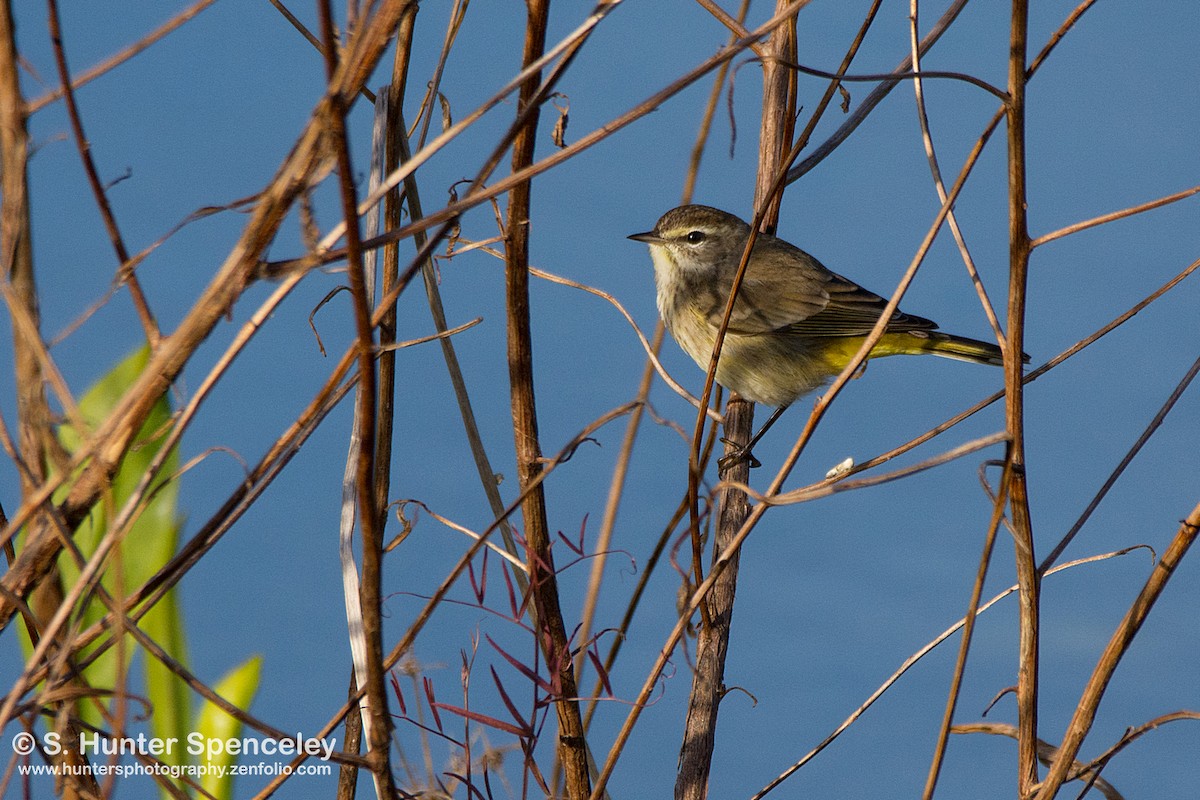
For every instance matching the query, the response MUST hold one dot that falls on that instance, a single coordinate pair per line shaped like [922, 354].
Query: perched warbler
[795, 324]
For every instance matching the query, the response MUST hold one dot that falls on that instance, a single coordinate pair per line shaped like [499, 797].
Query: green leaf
[238, 686]
[152, 540]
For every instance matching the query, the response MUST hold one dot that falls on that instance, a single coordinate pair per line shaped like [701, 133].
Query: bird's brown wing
[806, 299]
[853, 311]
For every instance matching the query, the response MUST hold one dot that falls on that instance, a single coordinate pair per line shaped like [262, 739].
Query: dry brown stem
[552, 630]
[1118, 645]
[124, 55]
[1014, 469]
[379, 732]
[103, 450]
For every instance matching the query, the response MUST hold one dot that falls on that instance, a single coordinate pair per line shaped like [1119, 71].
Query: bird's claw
[742, 453]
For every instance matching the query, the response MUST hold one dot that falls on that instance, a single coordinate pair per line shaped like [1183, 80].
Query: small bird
[795, 324]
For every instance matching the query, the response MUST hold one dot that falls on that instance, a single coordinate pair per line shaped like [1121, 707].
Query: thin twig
[899, 75]
[736, 26]
[446, 334]
[1114, 215]
[964, 647]
[425, 113]
[312, 39]
[1118, 645]
[422, 618]
[651, 351]
[1111, 480]
[908, 664]
[874, 98]
[118, 58]
[827, 488]
[519, 566]
[145, 315]
[609, 520]
[483, 464]
[103, 450]
[1133, 734]
[940, 186]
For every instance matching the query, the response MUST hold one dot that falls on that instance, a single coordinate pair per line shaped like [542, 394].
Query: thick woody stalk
[36, 441]
[712, 644]
[16, 258]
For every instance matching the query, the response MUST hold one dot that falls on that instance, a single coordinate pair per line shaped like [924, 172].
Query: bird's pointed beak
[649, 237]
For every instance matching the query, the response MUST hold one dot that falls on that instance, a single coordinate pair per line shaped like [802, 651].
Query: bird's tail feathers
[941, 344]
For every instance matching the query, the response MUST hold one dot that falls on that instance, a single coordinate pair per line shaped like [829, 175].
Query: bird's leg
[745, 453]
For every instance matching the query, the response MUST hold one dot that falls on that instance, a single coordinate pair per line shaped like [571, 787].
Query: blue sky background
[833, 594]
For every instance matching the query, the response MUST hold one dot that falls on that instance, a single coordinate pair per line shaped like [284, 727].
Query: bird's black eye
[696, 237]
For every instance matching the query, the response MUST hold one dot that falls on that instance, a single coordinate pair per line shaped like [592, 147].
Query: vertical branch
[712, 644]
[1019, 247]
[394, 133]
[620, 472]
[778, 119]
[34, 436]
[1001, 499]
[701, 143]
[552, 633]
[379, 731]
[712, 639]
[385, 155]
[16, 252]
[36, 441]
[351, 745]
